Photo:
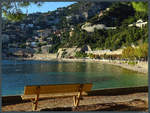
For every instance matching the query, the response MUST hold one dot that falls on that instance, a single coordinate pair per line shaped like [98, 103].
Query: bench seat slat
[63, 88]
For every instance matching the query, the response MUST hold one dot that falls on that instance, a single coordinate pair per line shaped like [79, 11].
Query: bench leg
[35, 102]
[76, 99]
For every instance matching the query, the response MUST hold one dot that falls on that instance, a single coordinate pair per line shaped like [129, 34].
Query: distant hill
[112, 29]
[107, 24]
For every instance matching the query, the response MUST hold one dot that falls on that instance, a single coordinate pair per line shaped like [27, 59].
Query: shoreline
[141, 67]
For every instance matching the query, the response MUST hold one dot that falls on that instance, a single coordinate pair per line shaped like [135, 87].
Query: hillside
[111, 29]
[101, 25]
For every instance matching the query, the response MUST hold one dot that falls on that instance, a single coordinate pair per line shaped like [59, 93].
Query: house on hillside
[107, 52]
[68, 17]
[33, 44]
[43, 33]
[21, 52]
[30, 25]
[45, 49]
[60, 9]
[53, 21]
[22, 26]
[12, 36]
[139, 24]
[85, 15]
[57, 33]
[100, 14]
[54, 28]
[35, 37]
[71, 32]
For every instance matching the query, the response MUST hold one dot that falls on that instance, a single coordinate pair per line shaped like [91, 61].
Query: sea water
[17, 74]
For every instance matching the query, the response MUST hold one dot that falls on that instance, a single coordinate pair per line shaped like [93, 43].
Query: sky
[46, 6]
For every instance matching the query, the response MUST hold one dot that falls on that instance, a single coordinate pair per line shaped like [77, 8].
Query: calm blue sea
[17, 74]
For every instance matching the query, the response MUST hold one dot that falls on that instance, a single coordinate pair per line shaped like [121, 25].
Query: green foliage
[80, 54]
[63, 54]
[108, 39]
[39, 51]
[123, 14]
[128, 53]
[144, 50]
[22, 46]
[120, 15]
[91, 55]
[54, 48]
[141, 15]
[138, 53]
[129, 20]
[140, 6]
[117, 13]
[14, 16]
[12, 10]
[132, 63]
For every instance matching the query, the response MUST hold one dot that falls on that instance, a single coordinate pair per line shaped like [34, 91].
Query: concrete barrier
[118, 91]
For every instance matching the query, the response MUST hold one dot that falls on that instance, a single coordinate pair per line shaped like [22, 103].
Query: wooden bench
[34, 93]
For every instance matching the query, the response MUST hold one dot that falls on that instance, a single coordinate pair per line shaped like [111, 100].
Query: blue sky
[46, 6]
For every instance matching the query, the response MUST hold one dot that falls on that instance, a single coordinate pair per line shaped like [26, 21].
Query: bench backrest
[60, 88]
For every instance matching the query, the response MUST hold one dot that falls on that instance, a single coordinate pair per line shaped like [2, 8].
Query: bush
[91, 55]
[132, 63]
[80, 55]
[137, 53]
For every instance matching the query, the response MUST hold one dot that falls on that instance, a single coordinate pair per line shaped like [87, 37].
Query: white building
[30, 25]
[139, 23]
[107, 52]
[22, 26]
[33, 44]
[68, 17]
[43, 33]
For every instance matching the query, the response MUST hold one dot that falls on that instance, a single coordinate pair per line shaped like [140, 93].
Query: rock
[67, 52]
[90, 28]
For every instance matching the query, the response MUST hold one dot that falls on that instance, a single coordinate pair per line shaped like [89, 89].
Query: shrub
[80, 55]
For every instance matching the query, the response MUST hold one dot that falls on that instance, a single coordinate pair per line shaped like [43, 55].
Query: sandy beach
[141, 67]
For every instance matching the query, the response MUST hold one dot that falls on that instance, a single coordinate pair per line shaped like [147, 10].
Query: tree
[138, 53]
[144, 48]
[140, 6]
[12, 10]
[128, 53]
